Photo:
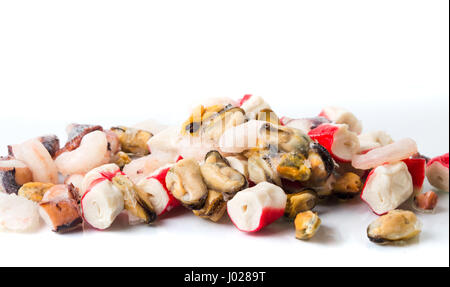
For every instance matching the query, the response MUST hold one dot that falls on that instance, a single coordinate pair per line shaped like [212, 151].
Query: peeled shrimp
[390, 153]
[17, 213]
[139, 168]
[38, 159]
[92, 152]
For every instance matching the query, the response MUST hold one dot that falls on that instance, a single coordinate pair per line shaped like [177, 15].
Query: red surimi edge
[161, 177]
[443, 159]
[323, 114]
[324, 135]
[268, 216]
[244, 99]
[416, 167]
[282, 120]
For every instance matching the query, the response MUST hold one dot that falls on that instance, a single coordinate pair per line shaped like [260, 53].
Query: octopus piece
[133, 140]
[37, 158]
[218, 175]
[91, 153]
[75, 180]
[75, 132]
[18, 214]
[51, 144]
[22, 173]
[396, 226]
[214, 208]
[8, 182]
[185, 182]
[59, 209]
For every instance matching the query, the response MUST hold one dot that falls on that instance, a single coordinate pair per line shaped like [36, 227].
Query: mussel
[220, 176]
[214, 207]
[133, 140]
[185, 182]
[395, 226]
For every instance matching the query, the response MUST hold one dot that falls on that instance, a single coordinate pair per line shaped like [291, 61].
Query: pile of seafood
[229, 157]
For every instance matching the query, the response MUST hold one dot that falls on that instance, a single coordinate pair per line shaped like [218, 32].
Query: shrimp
[34, 155]
[92, 152]
[144, 166]
[17, 213]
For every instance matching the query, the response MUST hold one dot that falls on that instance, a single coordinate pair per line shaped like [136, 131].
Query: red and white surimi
[155, 184]
[340, 142]
[342, 116]
[101, 201]
[416, 167]
[253, 208]
[252, 105]
[437, 172]
[387, 187]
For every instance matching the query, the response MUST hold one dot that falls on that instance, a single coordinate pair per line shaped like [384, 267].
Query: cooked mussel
[395, 226]
[268, 115]
[322, 163]
[300, 202]
[220, 176]
[347, 186]
[214, 207]
[34, 190]
[293, 166]
[185, 182]
[260, 168]
[285, 139]
[306, 225]
[121, 159]
[133, 203]
[133, 140]
[212, 121]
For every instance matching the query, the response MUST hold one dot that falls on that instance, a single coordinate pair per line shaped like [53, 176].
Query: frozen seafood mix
[228, 158]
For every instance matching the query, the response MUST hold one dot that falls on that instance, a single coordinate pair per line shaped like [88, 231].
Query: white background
[119, 62]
